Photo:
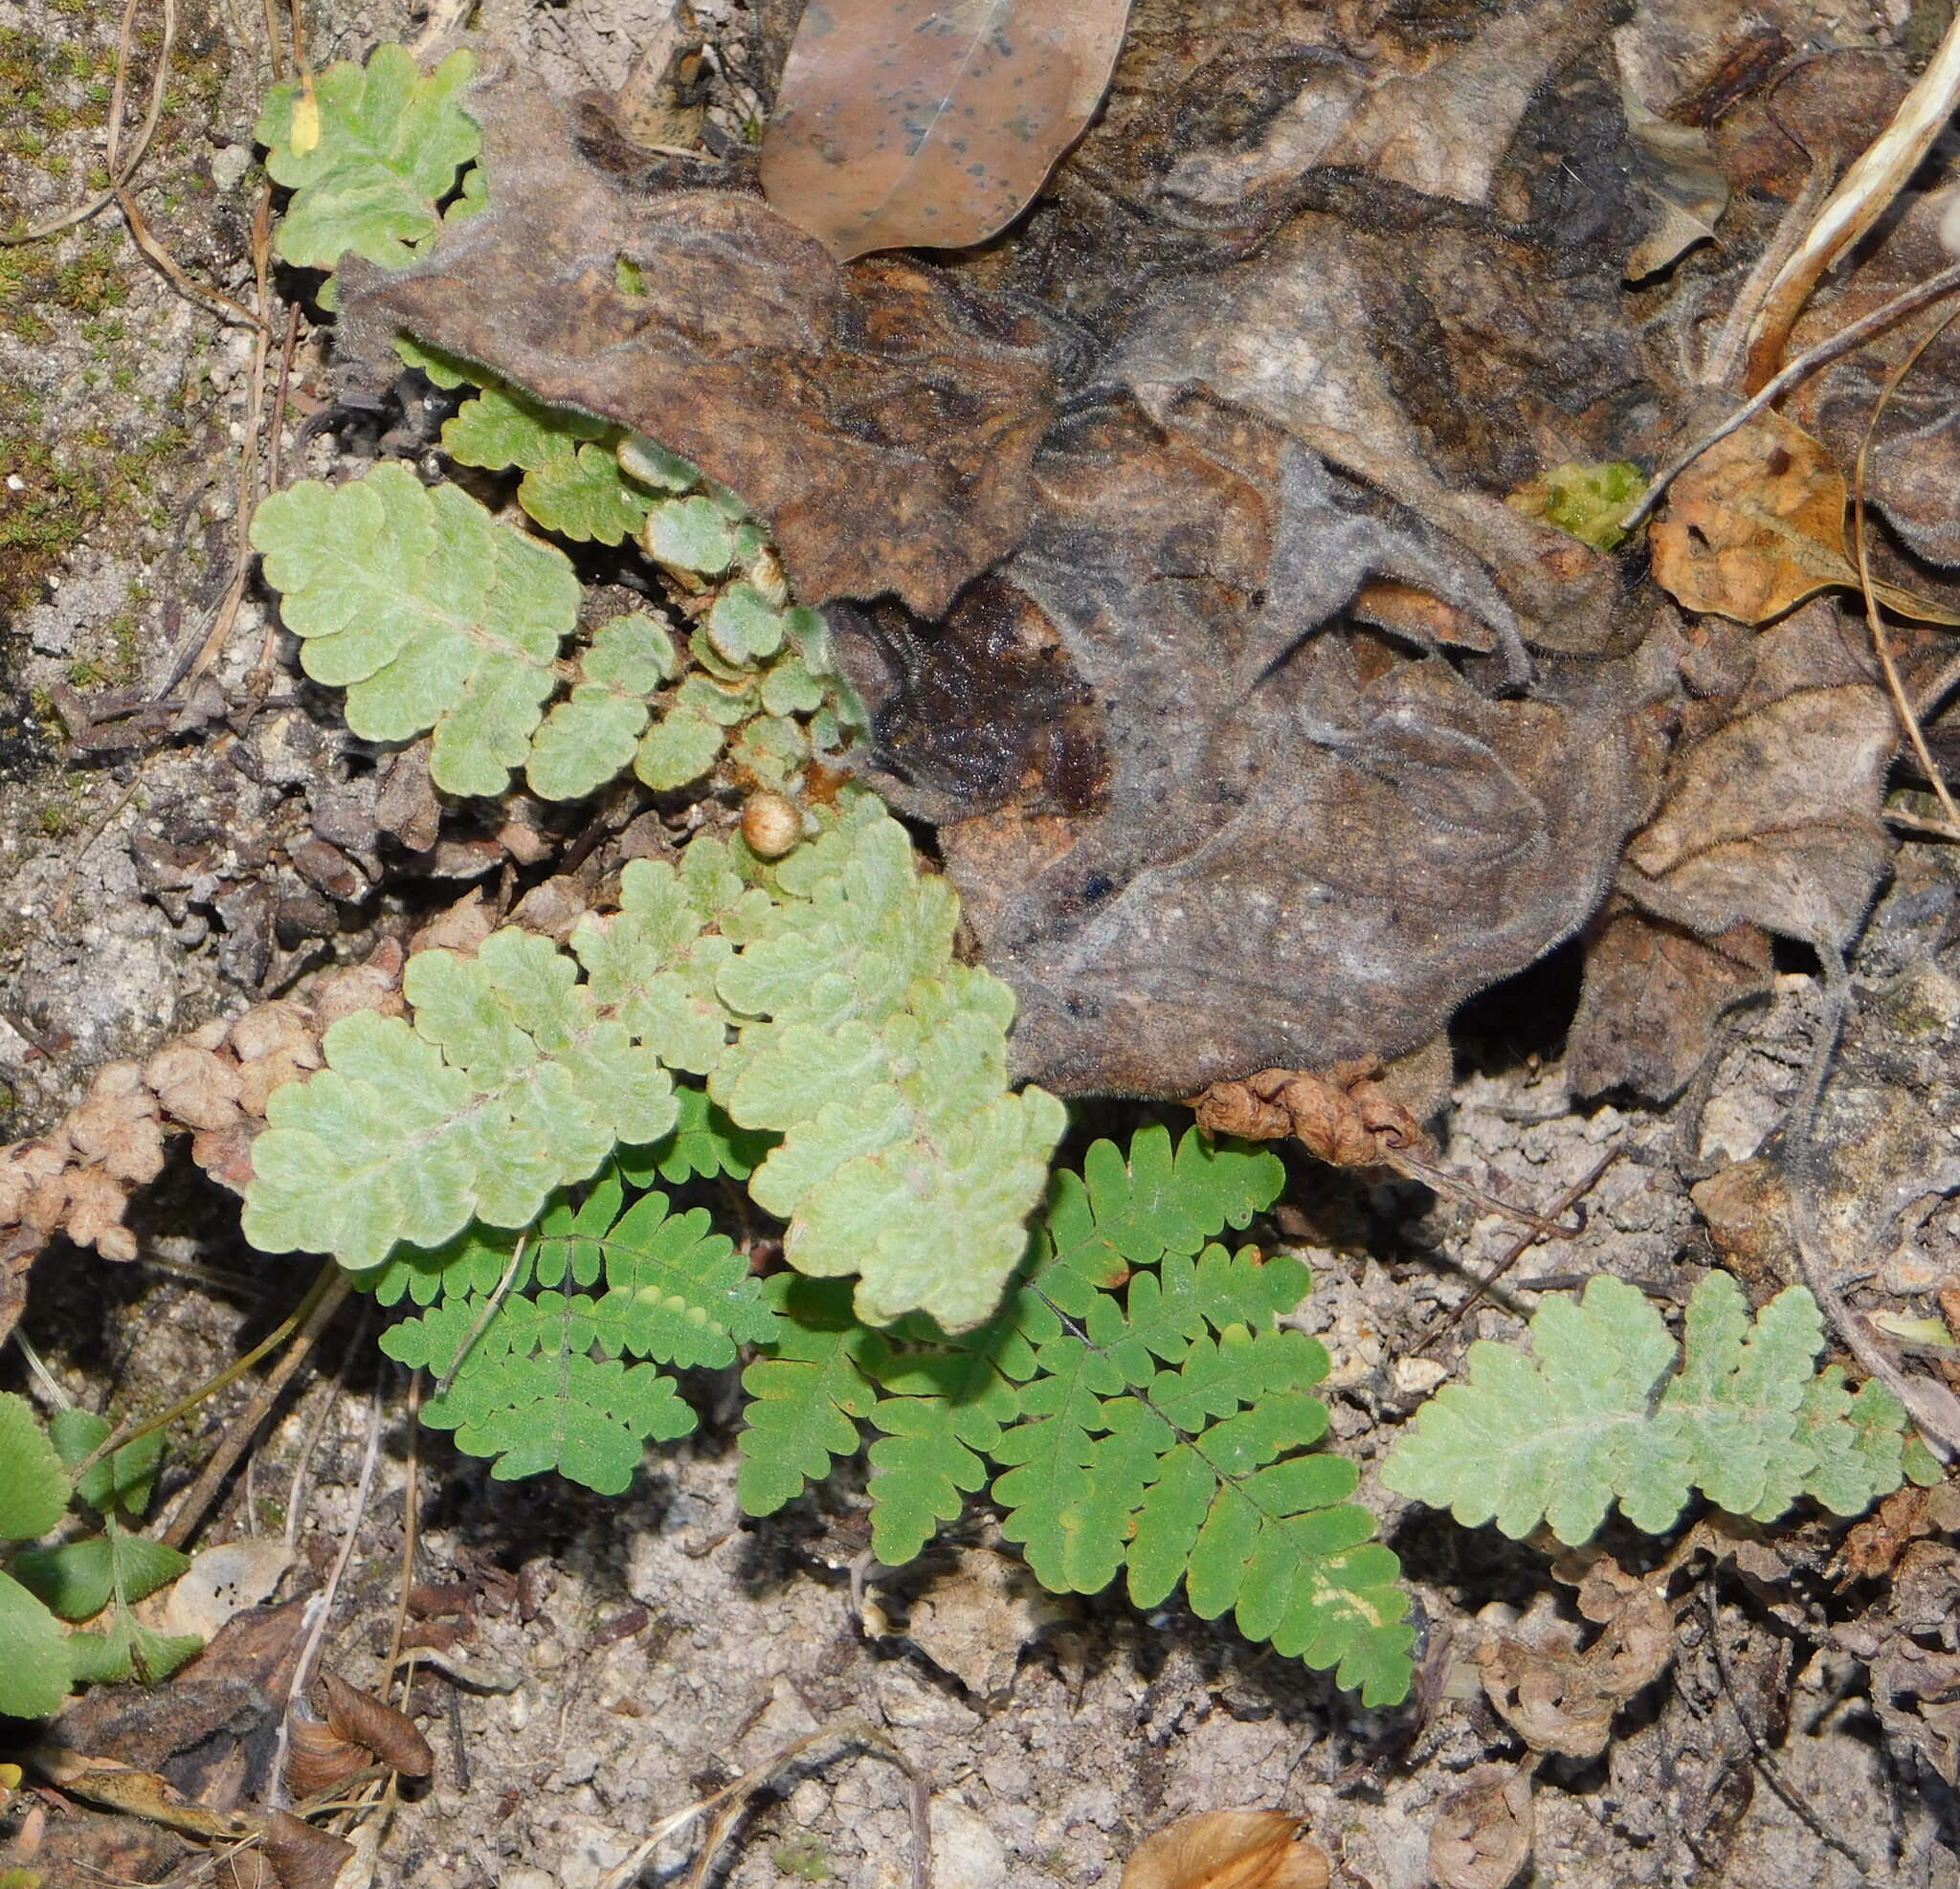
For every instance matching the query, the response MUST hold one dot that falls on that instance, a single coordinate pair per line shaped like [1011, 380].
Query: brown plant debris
[905, 123]
[212, 1083]
[1757, 525]
[1481, 1836]
[1558, 1698]
[880, 416]
[1347, 1118]
[1228, 1850]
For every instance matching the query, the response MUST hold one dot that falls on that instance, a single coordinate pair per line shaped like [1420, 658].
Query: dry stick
[1908, 302]
[231, 1374]
[491, 1307]
[1864, 196]
[1770, 1770]
[258, 683]
[204, 1491]
[185, 283]
[159, 82]
[310, 1442]
[309, 1648]
[410, 1496]
[1565, 1203]
[1907, 720]
[1447, 1182]
[192, 665]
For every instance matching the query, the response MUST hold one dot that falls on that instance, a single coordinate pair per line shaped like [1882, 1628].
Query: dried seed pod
[302, 1856]
[361, 1719]
[771, 824]
[319, 1759]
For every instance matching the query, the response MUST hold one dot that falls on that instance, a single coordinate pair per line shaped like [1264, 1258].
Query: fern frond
[1130, 1404]
[540, 1376]
[1605, 1406]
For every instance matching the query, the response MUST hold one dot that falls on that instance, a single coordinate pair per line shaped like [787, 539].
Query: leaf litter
[1726, 846]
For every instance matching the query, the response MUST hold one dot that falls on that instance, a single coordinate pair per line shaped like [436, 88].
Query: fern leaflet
[539, 1376]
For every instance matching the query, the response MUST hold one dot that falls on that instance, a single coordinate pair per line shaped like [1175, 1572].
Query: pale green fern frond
[1604, 1406]
[370, 152]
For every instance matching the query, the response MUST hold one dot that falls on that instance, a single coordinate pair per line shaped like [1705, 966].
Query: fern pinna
[1132, 1405]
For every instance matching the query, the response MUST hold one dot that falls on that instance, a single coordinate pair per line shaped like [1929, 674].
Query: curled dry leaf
[906, 124]
[1229, 1849]
[1756, 525]
[1481, 1836]
[1557, 1699]
[302, 1856]
[361, 1719]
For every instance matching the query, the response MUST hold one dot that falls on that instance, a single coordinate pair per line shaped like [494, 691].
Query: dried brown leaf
[1756, 525]
[1228, 1850]
[1345, 1117]
[1481, 1836]
[304, 1857]
[1653, 995]
[880, 418]
[906, 124]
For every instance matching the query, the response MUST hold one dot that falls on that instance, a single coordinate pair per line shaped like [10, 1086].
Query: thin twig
[1860, 540]
[1565, 1201]
[490, 1310]
[1449, 1183]
[411, 1497]
[309, 1650]
[1933, 1407]
[119, 175]
[204, 1491]
[1908, 302]
[727, 1804]
[1765, 1763]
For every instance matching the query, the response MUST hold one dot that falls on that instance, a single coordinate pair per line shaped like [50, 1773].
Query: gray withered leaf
[911, 123]
[878, 417]
[1236, 831]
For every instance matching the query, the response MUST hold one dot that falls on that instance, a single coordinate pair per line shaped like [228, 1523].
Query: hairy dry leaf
[1756, 525]
[906, 124]
[879, 418]
[1228, 1850]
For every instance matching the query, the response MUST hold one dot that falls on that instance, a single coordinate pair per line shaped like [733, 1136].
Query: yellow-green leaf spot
[427, 612]
[376, 152]
[1588, 500]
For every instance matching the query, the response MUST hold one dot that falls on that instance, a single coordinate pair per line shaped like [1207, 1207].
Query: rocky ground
[607, 1663]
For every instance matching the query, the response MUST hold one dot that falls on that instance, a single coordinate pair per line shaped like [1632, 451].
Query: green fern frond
[1130, 1404]
[1605, 1406]
[539, 1377]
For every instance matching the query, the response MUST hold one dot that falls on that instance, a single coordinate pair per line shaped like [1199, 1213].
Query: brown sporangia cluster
[213, 1084]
